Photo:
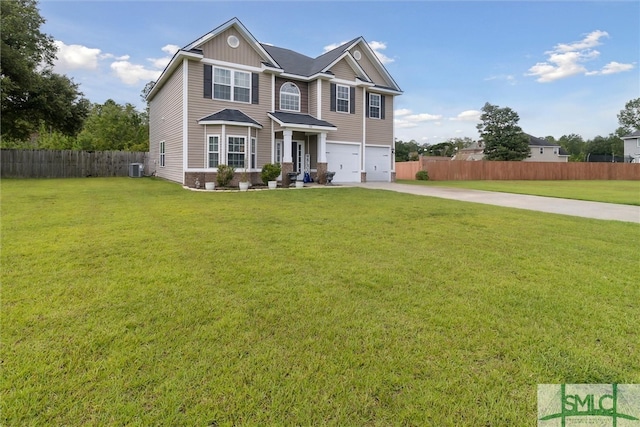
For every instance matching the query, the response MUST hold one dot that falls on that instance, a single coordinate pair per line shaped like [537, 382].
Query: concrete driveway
[597, 210]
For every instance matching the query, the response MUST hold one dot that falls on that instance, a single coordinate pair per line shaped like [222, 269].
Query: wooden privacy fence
[67, 163]
[491, 170]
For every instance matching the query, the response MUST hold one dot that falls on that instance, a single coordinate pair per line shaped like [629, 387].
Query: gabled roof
[229, 116]
[284, 60]
[300, 120]
[235, 22]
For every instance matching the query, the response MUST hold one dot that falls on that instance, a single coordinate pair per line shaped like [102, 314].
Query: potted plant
[244, 181]
[269, 173]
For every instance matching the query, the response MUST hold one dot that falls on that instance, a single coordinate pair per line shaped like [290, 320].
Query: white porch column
[286, 152]
[322, 148]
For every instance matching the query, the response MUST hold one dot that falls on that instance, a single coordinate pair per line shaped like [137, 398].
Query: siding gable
[218, 49]
[343, 70]
[368, 66]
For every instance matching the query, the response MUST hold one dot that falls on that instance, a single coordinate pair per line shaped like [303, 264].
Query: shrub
[422, 176]
[225, 175]
[270, 172]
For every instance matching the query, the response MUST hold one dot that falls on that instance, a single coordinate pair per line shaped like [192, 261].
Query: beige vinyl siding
[219, 49]
[165, 120]
[343, 71]
[380, 132]
[200, 107]
[369, 68]
[349, 125]
[313, 98]
[304, 93]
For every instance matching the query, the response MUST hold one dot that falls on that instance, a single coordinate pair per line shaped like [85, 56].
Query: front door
[297, 155]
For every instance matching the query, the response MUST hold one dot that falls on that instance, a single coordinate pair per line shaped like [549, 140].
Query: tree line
[503, 139]
[43, 109]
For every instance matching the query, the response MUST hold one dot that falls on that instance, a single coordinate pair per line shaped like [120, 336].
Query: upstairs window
[342, 98]
[289, 97]
[231, 85]
[374, 105]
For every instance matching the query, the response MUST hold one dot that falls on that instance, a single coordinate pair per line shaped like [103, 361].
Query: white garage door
[344, 160]
[378, 163]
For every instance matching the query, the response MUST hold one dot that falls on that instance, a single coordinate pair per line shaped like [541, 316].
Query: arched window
[289, 97]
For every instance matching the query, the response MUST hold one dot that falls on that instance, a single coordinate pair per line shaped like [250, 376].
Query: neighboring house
[473, 152]
[545, 151]
[632, 147]
[228, 99]
[541, 151]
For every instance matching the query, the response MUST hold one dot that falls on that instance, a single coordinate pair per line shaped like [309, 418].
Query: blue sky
[564, 67]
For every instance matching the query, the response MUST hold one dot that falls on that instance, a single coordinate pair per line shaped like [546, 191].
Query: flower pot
[210, 185]
[272, 185]
[244, 186]
[299, 184]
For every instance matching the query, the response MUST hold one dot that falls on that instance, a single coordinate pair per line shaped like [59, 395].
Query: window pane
[242, 79]
[236, 160]
[221, 92]
[213, 160]
[241, 94]
[222, 76]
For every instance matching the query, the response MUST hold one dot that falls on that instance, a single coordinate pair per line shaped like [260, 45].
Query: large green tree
[30, 93]
[503, 138]
[629, 118]
[111, 126]
[574, 145]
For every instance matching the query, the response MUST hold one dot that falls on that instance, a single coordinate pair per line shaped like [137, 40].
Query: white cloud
[566, 60]
[402, 112]
[408, 120]
[613, 68]
[377, 47]
[132, 74]
[75, 57]
[170, 48]
[506, 77]
[468, 116]
[591, 40]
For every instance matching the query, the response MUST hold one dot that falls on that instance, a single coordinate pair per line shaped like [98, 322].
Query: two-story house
[545, 151]
[228, 99]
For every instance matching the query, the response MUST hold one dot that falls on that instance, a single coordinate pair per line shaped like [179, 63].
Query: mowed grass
[621, 192]
[135, 302]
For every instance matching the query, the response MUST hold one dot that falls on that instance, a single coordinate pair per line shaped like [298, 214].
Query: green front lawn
[621, 192]
[135, 302]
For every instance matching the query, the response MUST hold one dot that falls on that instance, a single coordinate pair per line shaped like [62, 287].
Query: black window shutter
[208, 81]
[333, 97]
[254, 88]
[382, 107]
[352, 100]
[366, 109]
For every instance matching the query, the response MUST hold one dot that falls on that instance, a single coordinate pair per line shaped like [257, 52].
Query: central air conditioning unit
[136, 170]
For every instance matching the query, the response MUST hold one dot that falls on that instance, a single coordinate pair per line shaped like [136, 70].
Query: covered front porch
[300, 146]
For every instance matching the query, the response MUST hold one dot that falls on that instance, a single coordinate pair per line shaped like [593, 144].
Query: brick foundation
[321, 174]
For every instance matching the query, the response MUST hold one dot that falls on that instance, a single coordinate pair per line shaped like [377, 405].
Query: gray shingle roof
[299, 119]
[228, 115]
[302, 65]
[633, 134]
[539, 142]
